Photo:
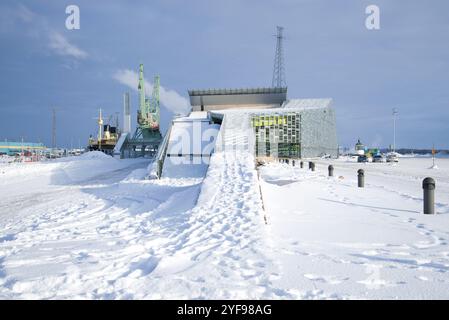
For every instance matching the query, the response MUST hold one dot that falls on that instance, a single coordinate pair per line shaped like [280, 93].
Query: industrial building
[15, 148]
[253, 121]
[265, 121]
[296, 128]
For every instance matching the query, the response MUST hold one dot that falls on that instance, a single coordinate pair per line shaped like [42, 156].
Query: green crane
[148, 115]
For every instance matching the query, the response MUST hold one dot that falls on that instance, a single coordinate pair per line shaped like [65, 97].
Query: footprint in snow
[8, 237]
[326, 279]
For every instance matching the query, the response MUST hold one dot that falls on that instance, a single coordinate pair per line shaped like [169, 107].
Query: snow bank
[16, 177]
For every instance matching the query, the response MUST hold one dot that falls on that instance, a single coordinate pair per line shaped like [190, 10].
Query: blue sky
[214, 44]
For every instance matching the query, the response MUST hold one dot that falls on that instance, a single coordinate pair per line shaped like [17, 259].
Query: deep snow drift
[92, 227]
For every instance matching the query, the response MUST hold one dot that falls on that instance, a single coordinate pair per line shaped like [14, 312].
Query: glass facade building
[300, 129]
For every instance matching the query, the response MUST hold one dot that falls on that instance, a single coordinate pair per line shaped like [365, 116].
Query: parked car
[378, 158]
[392, 157]
[362, 158]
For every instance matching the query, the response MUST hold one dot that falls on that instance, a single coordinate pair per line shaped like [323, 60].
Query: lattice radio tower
[279, 70]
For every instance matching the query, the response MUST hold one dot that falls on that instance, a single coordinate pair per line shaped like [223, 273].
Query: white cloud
[25, 14]
[172, 100]
[60, 45]
[21, 18]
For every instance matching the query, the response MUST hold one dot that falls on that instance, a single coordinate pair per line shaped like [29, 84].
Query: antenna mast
[279, 70]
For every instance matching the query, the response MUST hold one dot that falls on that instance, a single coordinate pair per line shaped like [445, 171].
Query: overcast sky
[213, 44]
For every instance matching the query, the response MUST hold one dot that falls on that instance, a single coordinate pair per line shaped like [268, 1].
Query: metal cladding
[216, 99]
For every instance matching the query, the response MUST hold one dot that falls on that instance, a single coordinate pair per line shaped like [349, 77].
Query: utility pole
[23, 152]
[100, 128]
[433, 155]
[53, 139]
[395, 112]
[278, 80]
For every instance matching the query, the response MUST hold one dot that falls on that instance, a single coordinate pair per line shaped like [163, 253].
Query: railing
[162, 151]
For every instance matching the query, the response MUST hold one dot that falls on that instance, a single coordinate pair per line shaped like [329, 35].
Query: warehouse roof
[236, 91]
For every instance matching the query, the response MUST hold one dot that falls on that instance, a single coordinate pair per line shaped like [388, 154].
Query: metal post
[293, 162]
[428, 186]
[331, 170]
[301, 164]
[286, 161]
[313, 166]
[395, 112]
[310, 165]
[361, 178]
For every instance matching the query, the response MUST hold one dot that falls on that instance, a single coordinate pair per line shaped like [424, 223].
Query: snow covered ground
[91, 227]
[81, 227]
[334, 240]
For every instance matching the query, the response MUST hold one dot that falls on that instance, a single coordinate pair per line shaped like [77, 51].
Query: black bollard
[361, 178]
[301, 164]
[310, 165]
[293, 162]
[287, 161]
[428, 186]
[331, 170]
[313, 166]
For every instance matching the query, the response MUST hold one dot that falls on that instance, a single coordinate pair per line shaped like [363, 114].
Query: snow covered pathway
[334, 240]
[72, 233]
[220, 254]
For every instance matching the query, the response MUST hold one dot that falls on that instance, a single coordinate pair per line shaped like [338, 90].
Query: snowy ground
[334, 240]
[81, 227]
[92, 227]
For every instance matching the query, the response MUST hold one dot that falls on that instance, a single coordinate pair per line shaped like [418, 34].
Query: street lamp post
[395, 112]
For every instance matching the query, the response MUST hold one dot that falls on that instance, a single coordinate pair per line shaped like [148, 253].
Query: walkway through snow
[334, 240]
